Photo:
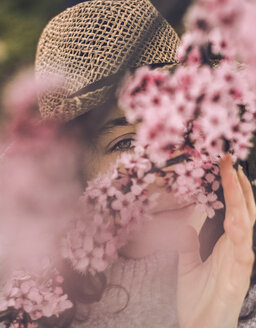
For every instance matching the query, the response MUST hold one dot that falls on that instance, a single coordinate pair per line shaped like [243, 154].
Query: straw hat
[90, 45]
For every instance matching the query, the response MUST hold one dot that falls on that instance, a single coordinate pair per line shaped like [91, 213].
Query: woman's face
[113, 137]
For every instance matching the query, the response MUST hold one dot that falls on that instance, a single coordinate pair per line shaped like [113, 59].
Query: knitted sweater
[149, 284]
[147, 297]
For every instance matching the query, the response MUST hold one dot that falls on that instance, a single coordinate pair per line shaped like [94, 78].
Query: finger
[188, 250]
[239, 238]
[241, 252]
[237, 225]
[234, 199]
[248, 194]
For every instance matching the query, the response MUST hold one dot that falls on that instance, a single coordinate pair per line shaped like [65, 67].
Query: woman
[88, 47]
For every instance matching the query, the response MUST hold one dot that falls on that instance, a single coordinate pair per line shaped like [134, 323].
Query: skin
[217, 286]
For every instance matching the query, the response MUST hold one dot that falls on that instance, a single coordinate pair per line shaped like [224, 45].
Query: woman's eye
[123, 145]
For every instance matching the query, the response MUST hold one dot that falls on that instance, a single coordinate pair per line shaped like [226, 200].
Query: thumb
[188, 250]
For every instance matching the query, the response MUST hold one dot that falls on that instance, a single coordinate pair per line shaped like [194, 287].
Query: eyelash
[131, 145]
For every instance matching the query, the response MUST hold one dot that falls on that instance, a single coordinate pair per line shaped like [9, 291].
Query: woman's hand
[211, 294]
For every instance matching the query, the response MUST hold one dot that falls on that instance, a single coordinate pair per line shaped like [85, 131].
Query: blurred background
[22, 21]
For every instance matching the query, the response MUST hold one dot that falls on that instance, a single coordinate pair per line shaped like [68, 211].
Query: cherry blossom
[35, 295]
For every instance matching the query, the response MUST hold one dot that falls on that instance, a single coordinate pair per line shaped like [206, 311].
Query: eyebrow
[120, 121]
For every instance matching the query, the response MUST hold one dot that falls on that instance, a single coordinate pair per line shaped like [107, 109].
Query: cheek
[160, 234]
[156, 235]
[96, 163]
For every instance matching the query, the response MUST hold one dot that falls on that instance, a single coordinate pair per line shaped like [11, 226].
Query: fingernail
[229, 155]
[240, 170]
[228, 158]
[226, 161]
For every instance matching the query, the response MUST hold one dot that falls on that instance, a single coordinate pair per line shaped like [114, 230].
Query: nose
[164, 173]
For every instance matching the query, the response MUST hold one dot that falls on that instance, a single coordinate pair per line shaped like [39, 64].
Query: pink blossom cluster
[147, 97]
[222, 29]
[199, 180]
[210, 25]
[210, 110]
[113, 205]
[36, 295]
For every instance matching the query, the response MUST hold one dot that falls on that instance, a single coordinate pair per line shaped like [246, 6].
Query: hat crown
[95, 39]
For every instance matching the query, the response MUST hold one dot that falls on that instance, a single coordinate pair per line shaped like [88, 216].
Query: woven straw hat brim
[92, 41]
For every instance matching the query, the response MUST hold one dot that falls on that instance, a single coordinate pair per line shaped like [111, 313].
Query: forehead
[97, 117]
[113, 112]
